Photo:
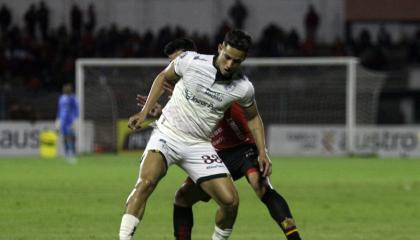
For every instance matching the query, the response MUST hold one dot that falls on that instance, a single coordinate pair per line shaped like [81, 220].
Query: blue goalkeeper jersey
[68, 110]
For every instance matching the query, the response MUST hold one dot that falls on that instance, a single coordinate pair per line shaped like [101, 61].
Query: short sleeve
[182, 62]
[248, 99]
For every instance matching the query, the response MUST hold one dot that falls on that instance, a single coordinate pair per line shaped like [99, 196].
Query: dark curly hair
[238, 39]
[184, 44]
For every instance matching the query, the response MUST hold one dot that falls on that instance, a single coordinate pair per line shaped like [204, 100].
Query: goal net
[297, 92]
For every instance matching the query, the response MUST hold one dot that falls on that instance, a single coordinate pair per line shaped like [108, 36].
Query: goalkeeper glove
[57, 124]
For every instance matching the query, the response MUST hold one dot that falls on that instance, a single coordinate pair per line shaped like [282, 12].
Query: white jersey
[201, 97]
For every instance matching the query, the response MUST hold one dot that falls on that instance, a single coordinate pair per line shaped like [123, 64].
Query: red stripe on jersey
[232, 130]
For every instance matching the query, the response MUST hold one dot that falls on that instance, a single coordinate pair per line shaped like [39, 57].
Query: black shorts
[240, 160]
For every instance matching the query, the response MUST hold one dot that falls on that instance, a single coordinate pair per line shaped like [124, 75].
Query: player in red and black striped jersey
[236, 147]
[232, 134]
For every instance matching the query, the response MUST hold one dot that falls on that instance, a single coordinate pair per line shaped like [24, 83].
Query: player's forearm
[155, 92]
[257, 130]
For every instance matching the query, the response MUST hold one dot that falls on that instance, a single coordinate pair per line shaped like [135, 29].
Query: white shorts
[199, 160]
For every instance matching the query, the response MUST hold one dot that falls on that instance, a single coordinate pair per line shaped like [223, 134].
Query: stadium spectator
[164, 36]
[147, 43]
[51, 60]
[364, 41]
[414, 48]
[43, 16]
[384, 38]
[292, 43]
[234, 144]
[184, 139]
[30, 20]
[312, 20]
[221, 32]
[91, 19]
[238, 13]
[76, 19]
[5, 18]
[68, 111]
[179, 32]
[271, 42]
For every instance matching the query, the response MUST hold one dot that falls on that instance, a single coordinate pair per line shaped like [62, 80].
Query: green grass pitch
[331, 198]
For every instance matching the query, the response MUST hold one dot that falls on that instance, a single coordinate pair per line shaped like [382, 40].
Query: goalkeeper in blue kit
[68, 111]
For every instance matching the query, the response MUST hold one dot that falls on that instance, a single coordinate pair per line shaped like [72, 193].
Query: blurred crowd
[38, 57]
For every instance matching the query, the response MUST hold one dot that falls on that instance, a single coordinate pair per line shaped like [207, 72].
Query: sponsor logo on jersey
[190, 97]
[198, 58]
[214, 95]
[215, 166]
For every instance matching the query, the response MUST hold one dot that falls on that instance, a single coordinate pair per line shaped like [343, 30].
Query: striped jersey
[232, 130]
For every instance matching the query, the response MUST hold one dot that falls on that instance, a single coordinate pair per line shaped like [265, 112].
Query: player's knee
[230, 202]
[181, 199]
[259, 186]
[259, 189]
[145, 186]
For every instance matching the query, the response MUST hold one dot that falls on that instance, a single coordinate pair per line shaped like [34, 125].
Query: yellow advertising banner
[128, 139]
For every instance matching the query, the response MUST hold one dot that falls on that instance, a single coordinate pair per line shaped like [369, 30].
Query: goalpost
[320, 90]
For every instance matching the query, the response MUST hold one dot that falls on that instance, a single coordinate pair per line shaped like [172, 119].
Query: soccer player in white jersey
[207, 85]
[234, 144]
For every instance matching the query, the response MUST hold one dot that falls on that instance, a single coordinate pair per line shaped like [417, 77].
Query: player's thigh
[156, 157]
[152, 167]
[222, 190]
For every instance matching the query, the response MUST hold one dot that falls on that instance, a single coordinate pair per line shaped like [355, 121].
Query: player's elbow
[169, 75]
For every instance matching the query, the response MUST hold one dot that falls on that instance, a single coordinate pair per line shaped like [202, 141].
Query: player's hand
[135, 121]
[75, 125]
[57, 124]
[265, 165]
[141, 100]
[156, 110]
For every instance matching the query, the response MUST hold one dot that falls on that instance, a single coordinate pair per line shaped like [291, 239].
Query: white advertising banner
[331, 140]
[21, 138]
